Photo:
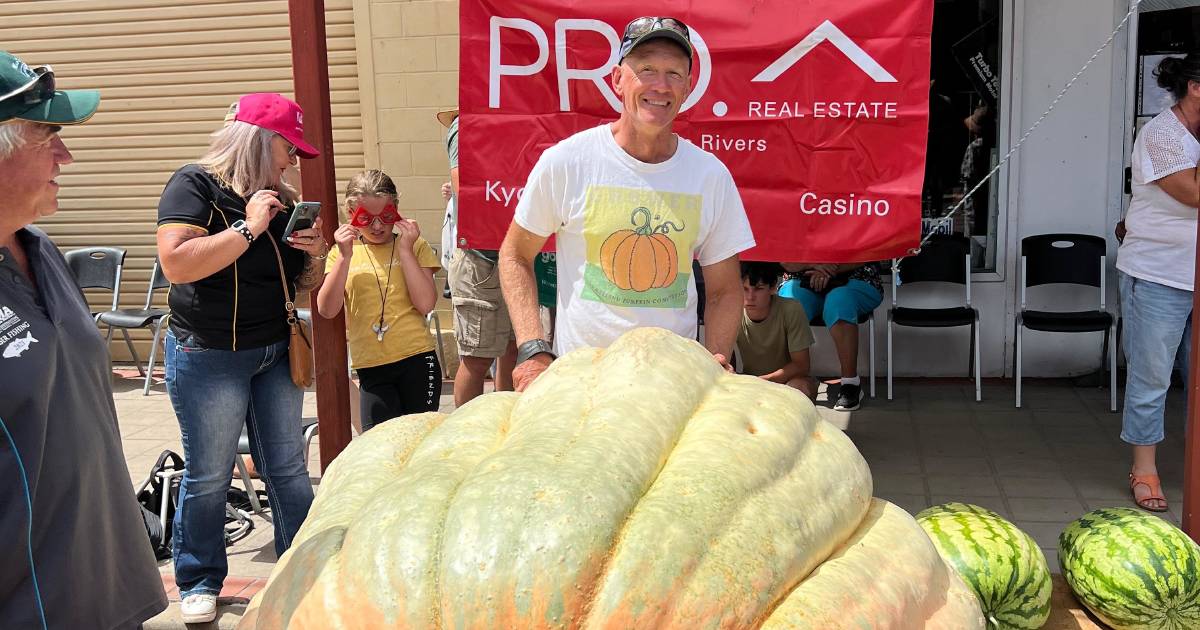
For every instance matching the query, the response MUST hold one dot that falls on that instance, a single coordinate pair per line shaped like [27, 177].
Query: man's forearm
[722, 311]
[520, 295]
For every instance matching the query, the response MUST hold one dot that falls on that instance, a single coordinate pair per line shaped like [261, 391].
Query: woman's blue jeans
[215, 393]
[1157, 324]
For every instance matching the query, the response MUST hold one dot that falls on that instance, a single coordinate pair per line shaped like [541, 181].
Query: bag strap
[288, 304]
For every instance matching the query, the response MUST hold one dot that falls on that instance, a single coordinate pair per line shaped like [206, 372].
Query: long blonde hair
[240, 158]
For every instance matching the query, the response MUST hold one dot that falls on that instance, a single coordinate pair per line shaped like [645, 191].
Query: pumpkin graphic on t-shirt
[640, 245]
[643, 258]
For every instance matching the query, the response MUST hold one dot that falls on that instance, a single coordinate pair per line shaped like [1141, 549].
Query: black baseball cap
[29, 94]
[644, 29]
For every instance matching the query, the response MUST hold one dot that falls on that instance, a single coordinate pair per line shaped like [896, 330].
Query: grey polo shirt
[94, 564]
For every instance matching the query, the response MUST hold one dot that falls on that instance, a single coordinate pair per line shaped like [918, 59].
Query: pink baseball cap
[283, 116]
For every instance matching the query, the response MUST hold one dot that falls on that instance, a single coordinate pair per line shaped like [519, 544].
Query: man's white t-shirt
[627, 232]
[1160, 245]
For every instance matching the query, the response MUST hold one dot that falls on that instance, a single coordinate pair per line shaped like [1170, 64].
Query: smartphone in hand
[303, 216]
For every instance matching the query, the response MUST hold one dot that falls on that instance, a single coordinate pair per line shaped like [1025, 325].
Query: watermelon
[1132, 569]
[1003, 566]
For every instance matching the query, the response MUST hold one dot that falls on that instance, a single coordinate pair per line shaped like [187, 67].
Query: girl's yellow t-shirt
[407, 333]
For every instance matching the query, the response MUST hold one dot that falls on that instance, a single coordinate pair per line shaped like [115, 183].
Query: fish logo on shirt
[18, 346]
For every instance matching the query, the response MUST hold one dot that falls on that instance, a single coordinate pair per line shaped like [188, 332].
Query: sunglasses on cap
[643, 25]
[361, 217]
[39, 90]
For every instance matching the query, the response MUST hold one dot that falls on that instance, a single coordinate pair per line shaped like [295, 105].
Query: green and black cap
[29, 94]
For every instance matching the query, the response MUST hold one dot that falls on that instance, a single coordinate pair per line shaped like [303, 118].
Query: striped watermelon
[1132, 569]
[1003, 566]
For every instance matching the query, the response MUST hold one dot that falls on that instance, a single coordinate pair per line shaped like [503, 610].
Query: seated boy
[774, 336]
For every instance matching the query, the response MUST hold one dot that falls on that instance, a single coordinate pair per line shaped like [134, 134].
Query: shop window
[964, 100]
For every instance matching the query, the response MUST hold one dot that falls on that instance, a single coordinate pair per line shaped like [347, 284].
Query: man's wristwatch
[240, 227]
[528, 349]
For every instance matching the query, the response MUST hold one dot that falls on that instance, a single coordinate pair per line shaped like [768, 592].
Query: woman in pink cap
[220, 241]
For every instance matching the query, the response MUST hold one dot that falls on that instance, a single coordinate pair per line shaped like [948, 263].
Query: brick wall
[408, 52]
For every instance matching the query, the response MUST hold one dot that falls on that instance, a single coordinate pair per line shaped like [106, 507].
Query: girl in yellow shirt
[382, 271]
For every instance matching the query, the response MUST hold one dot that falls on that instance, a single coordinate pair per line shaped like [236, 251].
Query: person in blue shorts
[838, 294]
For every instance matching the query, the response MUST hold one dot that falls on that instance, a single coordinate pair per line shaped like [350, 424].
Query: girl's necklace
[380, 327]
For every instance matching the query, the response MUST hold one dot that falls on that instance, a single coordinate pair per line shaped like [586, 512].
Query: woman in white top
[1157, 262]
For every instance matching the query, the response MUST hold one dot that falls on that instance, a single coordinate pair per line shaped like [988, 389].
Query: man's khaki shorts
[481, 322]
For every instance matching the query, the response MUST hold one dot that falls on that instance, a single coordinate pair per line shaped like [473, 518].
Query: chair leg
[971, 351]
[871, 353]
[244, 473]
[1020, 335]
[1112, 374]
[889, 358]
[308, 438]
[137, 361]
[975, 351]
[153, 349]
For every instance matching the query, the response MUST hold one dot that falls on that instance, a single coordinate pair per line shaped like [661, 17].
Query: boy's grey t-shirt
[95, 568]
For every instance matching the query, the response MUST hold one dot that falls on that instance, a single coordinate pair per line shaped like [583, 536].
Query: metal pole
[310, 80]
[1191, 466]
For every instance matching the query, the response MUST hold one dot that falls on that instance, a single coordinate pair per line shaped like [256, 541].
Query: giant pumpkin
[640, 486]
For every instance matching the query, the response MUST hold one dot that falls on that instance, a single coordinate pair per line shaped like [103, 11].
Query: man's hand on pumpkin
[724, 361]
[524, 374]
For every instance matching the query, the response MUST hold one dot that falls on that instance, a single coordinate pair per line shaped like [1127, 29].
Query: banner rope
[1133, 6]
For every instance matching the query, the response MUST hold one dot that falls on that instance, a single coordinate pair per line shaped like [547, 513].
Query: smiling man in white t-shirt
[630, 204]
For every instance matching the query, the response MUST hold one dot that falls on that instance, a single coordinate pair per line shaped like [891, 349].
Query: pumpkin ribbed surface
[635, 487]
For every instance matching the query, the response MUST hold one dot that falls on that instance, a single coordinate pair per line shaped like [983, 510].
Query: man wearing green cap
[74, 545]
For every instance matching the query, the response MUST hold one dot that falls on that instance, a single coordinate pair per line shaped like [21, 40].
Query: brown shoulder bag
[300, 345]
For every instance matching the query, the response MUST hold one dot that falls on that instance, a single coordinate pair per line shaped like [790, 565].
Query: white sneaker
[199, 608]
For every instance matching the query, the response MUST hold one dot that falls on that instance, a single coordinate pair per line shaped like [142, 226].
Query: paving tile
[1045, 534]
[1007, 465]
[1046, 510]
[972, 448]
[893, 464]
[1006, 432]
[932, 416]
[1029, 447]
[1007, 417]
[1064, 417]
[968, 466]
[899, 484]
[911, 503]
[1037, 487]
[995, 504]
[1108, 488]
[954, 485]
[1051, 554]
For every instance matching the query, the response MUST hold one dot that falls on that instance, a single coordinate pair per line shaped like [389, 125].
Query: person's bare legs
[1144, 464]
[845, 338]
[468, 380]
[504, 367]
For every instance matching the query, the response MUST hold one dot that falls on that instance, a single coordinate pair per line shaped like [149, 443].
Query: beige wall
[408, 66]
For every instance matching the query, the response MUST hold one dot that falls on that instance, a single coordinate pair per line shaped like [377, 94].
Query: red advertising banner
[818, 108]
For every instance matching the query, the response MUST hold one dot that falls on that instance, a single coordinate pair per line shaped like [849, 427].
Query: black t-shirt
[241, 306]
[95, 568]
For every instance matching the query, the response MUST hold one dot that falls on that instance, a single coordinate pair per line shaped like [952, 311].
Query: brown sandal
[1156, 494]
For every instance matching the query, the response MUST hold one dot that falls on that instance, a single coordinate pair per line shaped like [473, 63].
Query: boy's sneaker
[198, 608]
[849, 397]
